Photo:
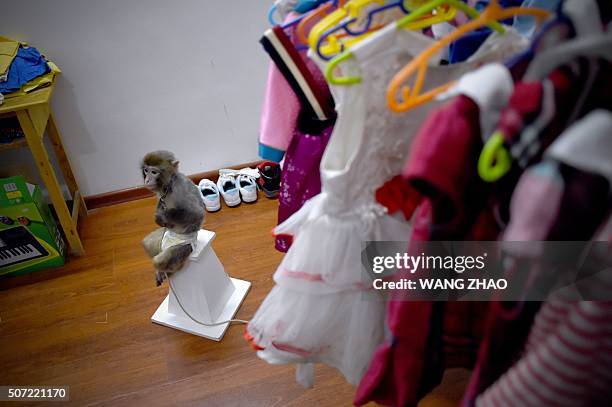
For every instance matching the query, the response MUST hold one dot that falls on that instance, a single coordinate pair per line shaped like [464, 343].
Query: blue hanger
[271, 15]
[562, 22]
[286, 25]
[399, 3]
[346, 26]
[301, 10]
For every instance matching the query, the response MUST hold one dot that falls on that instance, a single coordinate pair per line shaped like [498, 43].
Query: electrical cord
[238, 321]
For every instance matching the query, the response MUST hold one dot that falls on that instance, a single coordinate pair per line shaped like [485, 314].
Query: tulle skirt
[323, 308]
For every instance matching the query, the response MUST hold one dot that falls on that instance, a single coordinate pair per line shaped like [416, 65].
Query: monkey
[180, 211]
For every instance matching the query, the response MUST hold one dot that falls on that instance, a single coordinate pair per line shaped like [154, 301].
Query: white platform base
[184, 323]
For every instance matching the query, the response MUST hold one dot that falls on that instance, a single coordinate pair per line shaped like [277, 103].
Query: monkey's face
[151, 176]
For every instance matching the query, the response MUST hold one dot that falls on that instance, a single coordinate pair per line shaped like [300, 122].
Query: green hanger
[410, 19]
[494, 161]
[457, 4]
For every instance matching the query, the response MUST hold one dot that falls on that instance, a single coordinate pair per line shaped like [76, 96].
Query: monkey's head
[157, 169]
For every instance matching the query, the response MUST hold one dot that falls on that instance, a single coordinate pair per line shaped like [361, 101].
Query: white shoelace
[249, 172]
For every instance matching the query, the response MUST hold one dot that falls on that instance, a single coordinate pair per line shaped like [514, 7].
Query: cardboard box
[29, 237]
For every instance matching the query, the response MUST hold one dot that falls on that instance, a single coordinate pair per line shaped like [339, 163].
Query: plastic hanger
[595, 46]
[412, 97]
[455, 4]
[308, 21]
[425, 21]
[370, 18]
[335, 22]
[297, 20]
[334, 46]
[271, 15]
[495, 161]
[300, 45]
[328, 44]
[351, 9]
[445, 10]
[273, 22]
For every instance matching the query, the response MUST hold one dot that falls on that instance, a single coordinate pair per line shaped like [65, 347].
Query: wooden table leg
[35, 142]
[60, 153]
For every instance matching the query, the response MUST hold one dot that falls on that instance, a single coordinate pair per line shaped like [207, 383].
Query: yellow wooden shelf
[33, 111]
[18, 143]
[37, 97]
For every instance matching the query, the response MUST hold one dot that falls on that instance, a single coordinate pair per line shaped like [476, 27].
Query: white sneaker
[210, 195]
[247, 187]
[245, 179]
[228, 187]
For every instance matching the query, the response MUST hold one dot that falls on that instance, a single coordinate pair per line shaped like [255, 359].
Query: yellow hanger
[413, 97]
[328, 44]
[445, 10]
[446, 14]
[455, 4]
[335, 46]
[306, 22]
[351, 9]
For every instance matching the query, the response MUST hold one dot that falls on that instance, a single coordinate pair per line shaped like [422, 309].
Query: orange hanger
[412, 97]
[308, 21]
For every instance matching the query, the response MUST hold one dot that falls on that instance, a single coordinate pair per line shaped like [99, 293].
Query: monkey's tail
[237, 321]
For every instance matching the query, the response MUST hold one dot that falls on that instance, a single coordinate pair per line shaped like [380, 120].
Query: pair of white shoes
[234, 186]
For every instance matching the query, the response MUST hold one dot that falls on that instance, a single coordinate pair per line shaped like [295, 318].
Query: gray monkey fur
[180, 208]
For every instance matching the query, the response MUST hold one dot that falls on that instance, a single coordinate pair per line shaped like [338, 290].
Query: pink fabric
[280, 111]
[550, 202]
[292, 122]
[534, 221]
[281, 106]
[568, 360]
[441, 168]
[394, 368]
[441, 152]
[301, 275]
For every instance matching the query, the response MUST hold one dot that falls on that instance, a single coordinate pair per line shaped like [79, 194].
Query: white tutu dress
[323, 309]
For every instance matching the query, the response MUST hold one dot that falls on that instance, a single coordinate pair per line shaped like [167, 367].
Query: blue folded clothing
[27, 65]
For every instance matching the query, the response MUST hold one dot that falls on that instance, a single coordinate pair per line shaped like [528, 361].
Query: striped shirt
[567, 360]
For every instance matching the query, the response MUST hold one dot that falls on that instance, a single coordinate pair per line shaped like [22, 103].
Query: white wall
[140, 75]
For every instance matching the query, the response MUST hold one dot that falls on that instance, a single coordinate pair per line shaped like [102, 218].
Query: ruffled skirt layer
[323, 309]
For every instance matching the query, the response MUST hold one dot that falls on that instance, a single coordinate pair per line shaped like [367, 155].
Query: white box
[206, 292]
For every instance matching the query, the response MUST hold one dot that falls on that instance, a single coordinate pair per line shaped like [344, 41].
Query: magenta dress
[300, 177]
[297, 121]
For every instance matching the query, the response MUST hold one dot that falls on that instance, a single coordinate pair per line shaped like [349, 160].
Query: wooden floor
[87, 324]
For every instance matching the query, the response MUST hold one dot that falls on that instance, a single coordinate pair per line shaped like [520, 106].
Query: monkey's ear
[175, 164]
